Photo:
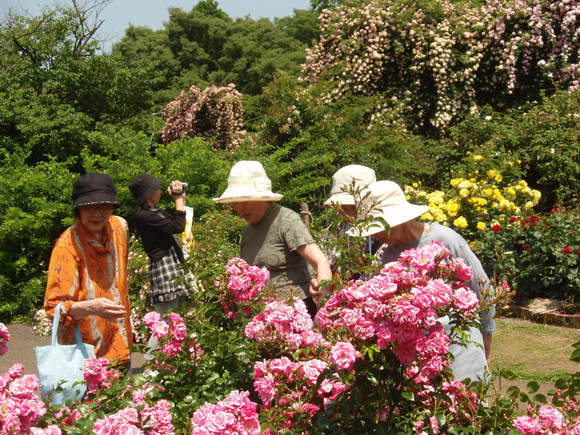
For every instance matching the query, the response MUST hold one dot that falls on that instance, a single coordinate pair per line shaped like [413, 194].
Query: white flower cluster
[442, 60]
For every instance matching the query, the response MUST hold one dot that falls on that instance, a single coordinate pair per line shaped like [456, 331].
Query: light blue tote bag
[62, 366]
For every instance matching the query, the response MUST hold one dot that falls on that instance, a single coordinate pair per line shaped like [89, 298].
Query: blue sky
[152, 13]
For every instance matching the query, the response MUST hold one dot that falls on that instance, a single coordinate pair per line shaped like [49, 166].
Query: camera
[184, 187]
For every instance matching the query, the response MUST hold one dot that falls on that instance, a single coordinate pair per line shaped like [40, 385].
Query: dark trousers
[310, 306]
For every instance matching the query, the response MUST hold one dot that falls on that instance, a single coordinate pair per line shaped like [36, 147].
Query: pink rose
[344, 355]
[551, 418]
[464, 299]
[528, 425]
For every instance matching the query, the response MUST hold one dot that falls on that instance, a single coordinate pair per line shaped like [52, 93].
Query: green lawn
[533, 351]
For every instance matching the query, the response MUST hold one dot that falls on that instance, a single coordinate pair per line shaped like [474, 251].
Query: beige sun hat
[386, 200]
[360, 175]
[248, 182]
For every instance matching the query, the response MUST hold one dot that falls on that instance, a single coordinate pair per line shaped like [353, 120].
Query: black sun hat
[94, 189]
[142, 187]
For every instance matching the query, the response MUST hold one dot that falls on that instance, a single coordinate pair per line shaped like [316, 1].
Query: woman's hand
[101, 307]
[177, 186]
[318, 261]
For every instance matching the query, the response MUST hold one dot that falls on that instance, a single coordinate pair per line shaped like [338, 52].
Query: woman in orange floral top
[88, 272]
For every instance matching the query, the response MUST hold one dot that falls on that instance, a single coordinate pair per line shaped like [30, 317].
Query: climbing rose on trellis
[216, 113]
[437, 61]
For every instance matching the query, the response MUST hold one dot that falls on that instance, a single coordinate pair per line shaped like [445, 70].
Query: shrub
[478, 196]
[538, 254]
[438, 61]
[214, 113]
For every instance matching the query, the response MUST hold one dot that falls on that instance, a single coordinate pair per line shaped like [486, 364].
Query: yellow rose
[427, 217]
[455, 181]
[506, 205]
[510, 192]
[452, 208]
[488, 192]
[477, 157]
[465, 184]
[498, 178]
[464, 193]
[481, 226]
[491, 173]
[460, 222]
[528, 205]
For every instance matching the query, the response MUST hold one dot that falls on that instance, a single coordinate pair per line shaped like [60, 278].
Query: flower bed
[375, 359]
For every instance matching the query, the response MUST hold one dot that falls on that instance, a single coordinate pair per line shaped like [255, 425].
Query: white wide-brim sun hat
[343, 180]
[248, 182]
[386, 200]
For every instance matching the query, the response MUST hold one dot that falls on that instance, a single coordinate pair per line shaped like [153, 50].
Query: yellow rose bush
[476, 200]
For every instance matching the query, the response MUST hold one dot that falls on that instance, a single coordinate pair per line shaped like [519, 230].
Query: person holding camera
[170, 285]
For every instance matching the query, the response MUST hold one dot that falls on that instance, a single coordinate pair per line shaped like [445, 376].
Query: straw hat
[388, 202]
[361, 176]
[248, 182]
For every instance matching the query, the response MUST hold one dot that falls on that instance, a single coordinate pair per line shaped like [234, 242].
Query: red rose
[534, 219]
[567, 249]
[513, 219]
[496, 227]
[578, 251]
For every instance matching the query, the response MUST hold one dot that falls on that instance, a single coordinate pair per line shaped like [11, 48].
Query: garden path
[21, 349]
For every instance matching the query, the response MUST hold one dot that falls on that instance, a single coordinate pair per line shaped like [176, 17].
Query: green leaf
[513, 392]
[540, 398]
[533, 386]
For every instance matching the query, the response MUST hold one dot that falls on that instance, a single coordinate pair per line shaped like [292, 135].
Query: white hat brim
[341, 198]
[246, 195]
[394, 215]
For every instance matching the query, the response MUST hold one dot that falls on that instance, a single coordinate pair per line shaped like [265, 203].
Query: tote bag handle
[56, 323]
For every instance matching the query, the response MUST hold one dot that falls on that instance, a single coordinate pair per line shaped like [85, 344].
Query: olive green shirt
[273, 243]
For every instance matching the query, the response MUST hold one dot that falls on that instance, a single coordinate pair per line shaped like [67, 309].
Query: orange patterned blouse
[82, 269]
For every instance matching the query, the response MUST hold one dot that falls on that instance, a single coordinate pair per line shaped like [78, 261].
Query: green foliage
[206, 47]
[126, 153]
[36, 205]
[217, 237]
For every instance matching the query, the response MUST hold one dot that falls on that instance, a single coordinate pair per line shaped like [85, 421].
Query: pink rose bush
[98, 374]
[236, 414]
[398, 309]
[241, 286]
[548, 420]
[215, 112]
[150, 420]
[171, 335]
[284, 326]
[292, 391]
[20, 405]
